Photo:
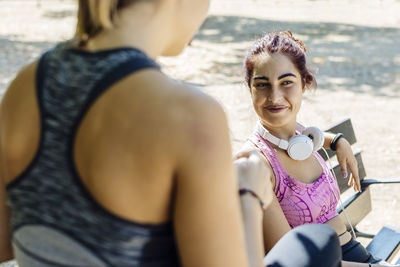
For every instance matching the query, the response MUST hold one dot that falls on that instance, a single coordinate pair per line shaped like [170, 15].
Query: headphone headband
[281, 143]
[299, 147]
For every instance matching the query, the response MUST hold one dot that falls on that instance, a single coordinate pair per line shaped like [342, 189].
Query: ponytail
[95, 16]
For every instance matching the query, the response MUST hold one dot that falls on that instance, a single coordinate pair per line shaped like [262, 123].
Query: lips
[276, 108]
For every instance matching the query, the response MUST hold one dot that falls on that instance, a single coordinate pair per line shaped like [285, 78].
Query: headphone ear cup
[316, 135]
[300, 147]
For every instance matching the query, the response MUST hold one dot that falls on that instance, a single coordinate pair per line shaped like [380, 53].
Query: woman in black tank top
[108, 163]
[105, 161]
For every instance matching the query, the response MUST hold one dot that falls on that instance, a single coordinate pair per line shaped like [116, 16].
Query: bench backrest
[359, 204]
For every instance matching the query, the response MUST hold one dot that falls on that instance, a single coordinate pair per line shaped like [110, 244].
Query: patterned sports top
[301, 203]
[55, 220]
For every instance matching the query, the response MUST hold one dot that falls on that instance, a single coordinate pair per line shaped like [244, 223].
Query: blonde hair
[95, 16]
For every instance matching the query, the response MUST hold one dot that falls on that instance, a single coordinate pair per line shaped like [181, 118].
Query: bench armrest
[367, 182]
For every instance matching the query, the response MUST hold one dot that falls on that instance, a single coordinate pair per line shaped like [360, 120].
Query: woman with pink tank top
[305, 190]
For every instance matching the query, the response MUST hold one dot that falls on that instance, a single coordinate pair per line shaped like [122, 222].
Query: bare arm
[275, 224]
[254, 176]
[207, 217]
[5, 234]
[14, 97]
[252, 219]
[345, 158]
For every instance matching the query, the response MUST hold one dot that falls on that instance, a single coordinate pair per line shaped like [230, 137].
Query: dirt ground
[353, 46]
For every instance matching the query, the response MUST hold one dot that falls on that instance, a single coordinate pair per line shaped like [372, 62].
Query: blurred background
[353, 46]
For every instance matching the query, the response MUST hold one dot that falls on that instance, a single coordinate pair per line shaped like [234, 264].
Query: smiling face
[276, 89]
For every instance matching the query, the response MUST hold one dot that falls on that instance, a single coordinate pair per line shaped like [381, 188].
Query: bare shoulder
[176, 95]
[189, 119]
[201, 127]
[191, 111]
[194, 101]
[201, 109]
[203, 124]
[19, 93]
[21, 84]
[19, 119]
[26, 73]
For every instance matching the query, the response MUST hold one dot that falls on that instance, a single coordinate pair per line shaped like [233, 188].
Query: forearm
[252, 218]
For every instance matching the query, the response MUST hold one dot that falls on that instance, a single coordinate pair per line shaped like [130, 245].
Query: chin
[274, 121]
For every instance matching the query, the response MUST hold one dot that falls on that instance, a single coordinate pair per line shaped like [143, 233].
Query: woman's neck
[114, 38]
[138, 27]
[283, 132]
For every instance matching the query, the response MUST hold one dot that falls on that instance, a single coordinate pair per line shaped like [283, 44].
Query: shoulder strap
[266, 149]
[40, 73]
[118, 73]
[113, 76]
[272, 158]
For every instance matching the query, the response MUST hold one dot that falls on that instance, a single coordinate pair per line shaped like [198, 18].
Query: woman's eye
[261, 85]
[287, 82]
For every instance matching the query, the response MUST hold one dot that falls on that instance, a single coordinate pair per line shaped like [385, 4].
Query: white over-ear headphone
[298, 147]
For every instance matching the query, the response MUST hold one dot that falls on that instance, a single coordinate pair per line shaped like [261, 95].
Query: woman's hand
[254, 174]
[346, 159]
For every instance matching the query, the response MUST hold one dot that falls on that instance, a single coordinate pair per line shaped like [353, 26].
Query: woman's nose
[274, 94]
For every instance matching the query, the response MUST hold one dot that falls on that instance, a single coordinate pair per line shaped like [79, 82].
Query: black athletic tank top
[55, 221]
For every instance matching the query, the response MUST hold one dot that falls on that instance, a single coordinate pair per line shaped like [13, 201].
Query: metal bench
[386, 243]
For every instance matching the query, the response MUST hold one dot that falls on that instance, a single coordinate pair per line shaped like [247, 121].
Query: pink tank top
[301, 203]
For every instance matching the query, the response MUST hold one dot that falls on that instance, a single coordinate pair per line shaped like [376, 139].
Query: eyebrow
[261, 78]
[286, 75]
